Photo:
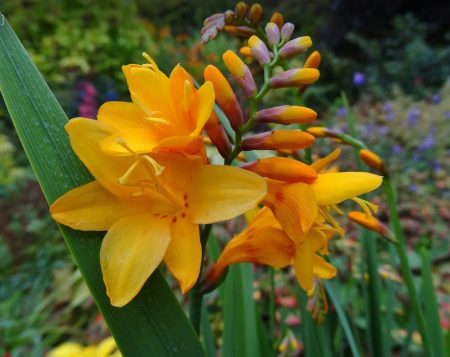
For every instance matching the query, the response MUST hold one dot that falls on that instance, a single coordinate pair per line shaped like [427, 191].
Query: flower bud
[370, 222]
[278, 139]
[296, 46]
[317, 131]
[286, 31]
[229, 16]
[277, 19]
[259, 50]
[283, 169]
[245, 51]
[313, 60]
[217, 134]
[242, 31]
[286, 114]
[272, 33]
[294, 77]
[225, 96]
[372, 160]
[241, 73]
[240, 10]
[256, 13]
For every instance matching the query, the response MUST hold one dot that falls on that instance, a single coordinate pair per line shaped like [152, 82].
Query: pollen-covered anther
[294, 78]
[282, 169]
[286, 114]
[259, 50]
[240, 72]
[296, 46]
[278, 139]
[372, 160]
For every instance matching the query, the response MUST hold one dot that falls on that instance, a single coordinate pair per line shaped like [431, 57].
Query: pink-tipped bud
[286, 114]
[240, 72]
[286, 31]
[217, 134]
[278, 139]
[282, 169]
[296, 46]
[294, 78]
[225, 96]
[259, 50]
[272, 33]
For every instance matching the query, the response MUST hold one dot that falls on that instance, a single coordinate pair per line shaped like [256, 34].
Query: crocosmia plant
[192, 176]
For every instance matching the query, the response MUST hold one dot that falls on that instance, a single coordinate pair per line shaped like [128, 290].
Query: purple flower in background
[436, 165]
[397, 149]
[447, 115]
[427, 143]
[88, 104]
[390, 116]
[436, 99]
[388, 107]
[359, 79]
[412, 187]
[341, 112]
[413, 117]
[383, 130]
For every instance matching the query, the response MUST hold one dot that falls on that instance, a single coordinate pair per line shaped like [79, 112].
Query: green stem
[400, 247]
[196, 296]
[272, 305]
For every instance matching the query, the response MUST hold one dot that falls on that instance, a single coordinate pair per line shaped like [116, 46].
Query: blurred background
[390, 57]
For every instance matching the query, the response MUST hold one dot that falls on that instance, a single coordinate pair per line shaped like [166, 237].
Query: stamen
[156, 120]
[367, 207]
[149, 59]
[188, 95]
[158, 168]
[123, 180]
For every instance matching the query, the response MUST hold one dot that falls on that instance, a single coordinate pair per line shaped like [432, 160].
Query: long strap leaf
[153, 323]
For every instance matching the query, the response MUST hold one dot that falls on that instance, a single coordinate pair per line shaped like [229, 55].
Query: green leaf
[154, 320]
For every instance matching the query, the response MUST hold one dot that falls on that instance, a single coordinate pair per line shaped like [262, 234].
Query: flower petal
[138, 140]
[131, 250]
[303, 264]
[294, 206]
[122, 115]
[186, 144]
[322, 269]
[334, 188]
[217, 193]
[320, 164]
[202, 107]
[184, 255]
[85, 136]
[92, 208]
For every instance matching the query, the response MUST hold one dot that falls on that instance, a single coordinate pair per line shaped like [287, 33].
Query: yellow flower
[151, 208]
[167, 113]
[265, 242]
[106, 348]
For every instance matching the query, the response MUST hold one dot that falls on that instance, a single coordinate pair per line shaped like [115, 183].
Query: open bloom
[167, 113]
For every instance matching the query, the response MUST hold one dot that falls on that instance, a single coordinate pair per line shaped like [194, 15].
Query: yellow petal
[202, 107]
[185, 144]
[92, 208]
[303, 264]
[294, 205]
[137, 140]
[184, 255]
[131, 250]
[85, 136]
[334, 188]
[320, 164]
[322, 269]
[122, 115]
[217, 193]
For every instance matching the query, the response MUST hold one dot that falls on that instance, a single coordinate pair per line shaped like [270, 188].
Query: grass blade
[154, 320]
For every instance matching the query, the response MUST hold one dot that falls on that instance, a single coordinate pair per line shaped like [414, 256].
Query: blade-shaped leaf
[154, 321]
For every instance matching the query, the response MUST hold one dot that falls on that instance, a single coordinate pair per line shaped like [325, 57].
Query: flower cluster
[154, 185]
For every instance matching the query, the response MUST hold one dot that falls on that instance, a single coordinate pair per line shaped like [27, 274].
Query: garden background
[390, 58]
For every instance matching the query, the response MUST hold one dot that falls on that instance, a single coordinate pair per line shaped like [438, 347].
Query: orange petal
[122, 115]
[303, 265]
[320, 164]
[322, 269]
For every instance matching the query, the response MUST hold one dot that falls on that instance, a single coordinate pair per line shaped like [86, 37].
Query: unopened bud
[229, 16]
[240, 10]
[294, 78]
[286, 31]
[272, 33]
[217, 134]
[296, 46]
[259, 50]
[313, 60]
[245, 51]
[286, 114]
[277, 19]
[242, 31]
[371, 223]
[317, 131]
[225, 96]
[282, 169]
[278, 139]
[372, 160]
[256, 13]
[240, 72]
